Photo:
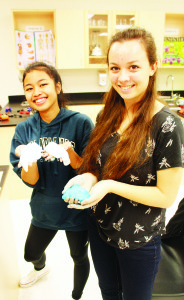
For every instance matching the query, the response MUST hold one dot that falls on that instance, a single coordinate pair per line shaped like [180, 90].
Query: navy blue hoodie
[47, 206]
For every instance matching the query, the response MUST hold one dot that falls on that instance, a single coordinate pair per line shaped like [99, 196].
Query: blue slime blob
[76, 192]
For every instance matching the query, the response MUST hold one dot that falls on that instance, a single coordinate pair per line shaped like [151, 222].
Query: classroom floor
[57, 284]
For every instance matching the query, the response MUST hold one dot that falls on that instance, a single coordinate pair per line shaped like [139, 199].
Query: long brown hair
[127, 151]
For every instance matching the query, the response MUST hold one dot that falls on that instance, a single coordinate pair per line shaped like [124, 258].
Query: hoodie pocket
[53, 212]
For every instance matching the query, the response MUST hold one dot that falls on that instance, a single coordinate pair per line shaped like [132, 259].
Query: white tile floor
[57, 284]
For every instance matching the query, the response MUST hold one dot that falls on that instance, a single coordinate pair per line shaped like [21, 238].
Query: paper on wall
[34, 46]
[25, 49]
[173, 51]
[45, 46]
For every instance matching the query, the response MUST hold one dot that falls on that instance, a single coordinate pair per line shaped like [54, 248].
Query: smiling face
[41, 93]
[129, 70]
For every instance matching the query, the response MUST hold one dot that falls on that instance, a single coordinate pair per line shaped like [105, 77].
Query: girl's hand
[86, 181]
[46, 155]
[67, 145]
[55, 150]
[18, 150]
[28, 154]
[98, 192]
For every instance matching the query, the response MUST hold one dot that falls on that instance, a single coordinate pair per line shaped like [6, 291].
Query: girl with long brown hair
[132, 168]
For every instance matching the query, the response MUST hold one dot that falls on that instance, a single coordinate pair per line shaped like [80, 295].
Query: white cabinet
[17, 190]
[168, 32]
[90, 110]
[82, 36]
[70, 39]
[97, 34]
[123, 19]
[99, 27]
[154, 22]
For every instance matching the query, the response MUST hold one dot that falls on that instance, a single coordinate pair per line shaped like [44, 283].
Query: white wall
[73, 80]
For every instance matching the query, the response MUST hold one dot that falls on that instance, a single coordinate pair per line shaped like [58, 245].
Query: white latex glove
[58, 151]
[30, 153]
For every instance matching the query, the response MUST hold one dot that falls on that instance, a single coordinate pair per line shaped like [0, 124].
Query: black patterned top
[126, 224]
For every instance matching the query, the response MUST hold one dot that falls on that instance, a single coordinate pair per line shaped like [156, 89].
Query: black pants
[39, 238]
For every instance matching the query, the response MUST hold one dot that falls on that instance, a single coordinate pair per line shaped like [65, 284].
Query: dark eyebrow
[38, 81]
[113, 63]
[133, 62]
[130, 62]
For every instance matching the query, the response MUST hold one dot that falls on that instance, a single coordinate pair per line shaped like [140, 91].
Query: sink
[166, 98]
[172, 103]
[174, 108]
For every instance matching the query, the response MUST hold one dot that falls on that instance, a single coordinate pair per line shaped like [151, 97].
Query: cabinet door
[154, 22]
[97, 33]
[70, 39]
[122, 20]
[90, 110]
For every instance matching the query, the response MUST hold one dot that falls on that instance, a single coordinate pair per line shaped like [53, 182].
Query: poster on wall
[45, 47]
[34, 46]
[173, 52]
[24, 48]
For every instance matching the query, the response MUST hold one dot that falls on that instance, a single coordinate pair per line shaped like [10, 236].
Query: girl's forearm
[162, 195]
[32, 175]
[147, 195]
[75, 159]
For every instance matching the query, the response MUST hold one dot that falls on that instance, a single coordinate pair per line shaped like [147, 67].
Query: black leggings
[39, 238]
